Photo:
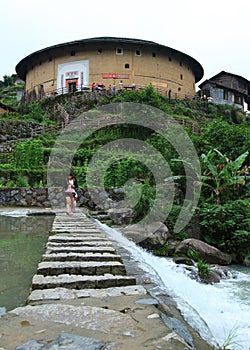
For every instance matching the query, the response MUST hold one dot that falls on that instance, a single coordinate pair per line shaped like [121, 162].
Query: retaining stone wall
[16, 129]
[44, 197]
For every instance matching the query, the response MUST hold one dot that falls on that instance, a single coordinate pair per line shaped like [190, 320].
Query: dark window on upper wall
[126, 65]
[181, 76]
[220, 94]
[225, 94]
[153, 54]
[170, 59]
[40, 63]
[72, 53]
[180, 63]
[50, 58]
[99, 51]
[138, 52]
[238, 99]
[179, 89]
[119, 51]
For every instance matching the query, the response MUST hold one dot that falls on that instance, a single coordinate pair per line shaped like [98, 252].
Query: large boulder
[206, 252]
[149, 236]
[246, 262]
[120, 216]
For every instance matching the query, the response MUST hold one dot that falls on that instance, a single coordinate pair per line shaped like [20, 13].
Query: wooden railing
[33, 95]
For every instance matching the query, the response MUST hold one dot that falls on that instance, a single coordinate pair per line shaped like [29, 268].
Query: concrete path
[82, 298]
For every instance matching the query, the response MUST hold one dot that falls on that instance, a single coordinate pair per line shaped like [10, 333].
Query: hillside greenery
[220, 134]
[9, 90]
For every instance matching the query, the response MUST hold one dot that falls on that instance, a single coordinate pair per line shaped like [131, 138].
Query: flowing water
[216, 311]
[22, 243]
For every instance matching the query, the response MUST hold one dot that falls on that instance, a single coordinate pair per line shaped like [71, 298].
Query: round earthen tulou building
[111, 63]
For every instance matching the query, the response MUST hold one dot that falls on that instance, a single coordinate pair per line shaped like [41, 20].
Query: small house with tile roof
[227, 88]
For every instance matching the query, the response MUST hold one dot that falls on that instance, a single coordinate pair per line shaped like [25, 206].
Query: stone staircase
[81, 288]
[78, 256]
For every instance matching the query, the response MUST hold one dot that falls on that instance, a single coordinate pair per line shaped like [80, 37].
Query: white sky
[216, 32]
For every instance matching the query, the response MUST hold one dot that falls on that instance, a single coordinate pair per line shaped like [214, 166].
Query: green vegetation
[162, 251]
[9, 90]
[220, 134]
[227, 226]
[203, 270]
[193, 254]
[231, 341]
[222, 177]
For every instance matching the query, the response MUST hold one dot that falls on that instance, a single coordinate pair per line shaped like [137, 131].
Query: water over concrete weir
[82, 298]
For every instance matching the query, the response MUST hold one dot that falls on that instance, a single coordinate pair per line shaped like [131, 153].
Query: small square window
[179, 89]
[99, 51]
[153, 54]
[126, 65]
[170, 59]
[138, 52]
[72, 53]
[119, 51]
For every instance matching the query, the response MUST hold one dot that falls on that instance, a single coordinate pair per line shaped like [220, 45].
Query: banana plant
[223, 176]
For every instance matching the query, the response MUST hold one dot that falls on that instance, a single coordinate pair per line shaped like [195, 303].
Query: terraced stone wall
[44, 197]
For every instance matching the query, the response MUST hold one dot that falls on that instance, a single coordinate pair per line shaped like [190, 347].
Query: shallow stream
[22, 243]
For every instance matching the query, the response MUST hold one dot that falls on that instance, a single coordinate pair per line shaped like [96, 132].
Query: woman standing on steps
[71, 194]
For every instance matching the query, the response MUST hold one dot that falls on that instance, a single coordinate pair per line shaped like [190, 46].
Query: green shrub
[21, 181]
[203, 270]
[227, 226]
[162, 251]
[193, 254]
[34, 111]
[170, 223]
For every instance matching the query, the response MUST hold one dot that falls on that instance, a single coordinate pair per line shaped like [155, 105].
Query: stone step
[79, 223]
[75, 222]
[75, 229]
[81, 282]
[75, 238]
[79, 232]
[88, 243]
[89, 256]
[73, 226]
[79, 235]
[53, 248]
[82, 228]
[39, 295]
[84, 233]
[54, 268]
[77, 218]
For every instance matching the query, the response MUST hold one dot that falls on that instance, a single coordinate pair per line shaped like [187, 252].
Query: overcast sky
[214, 32]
